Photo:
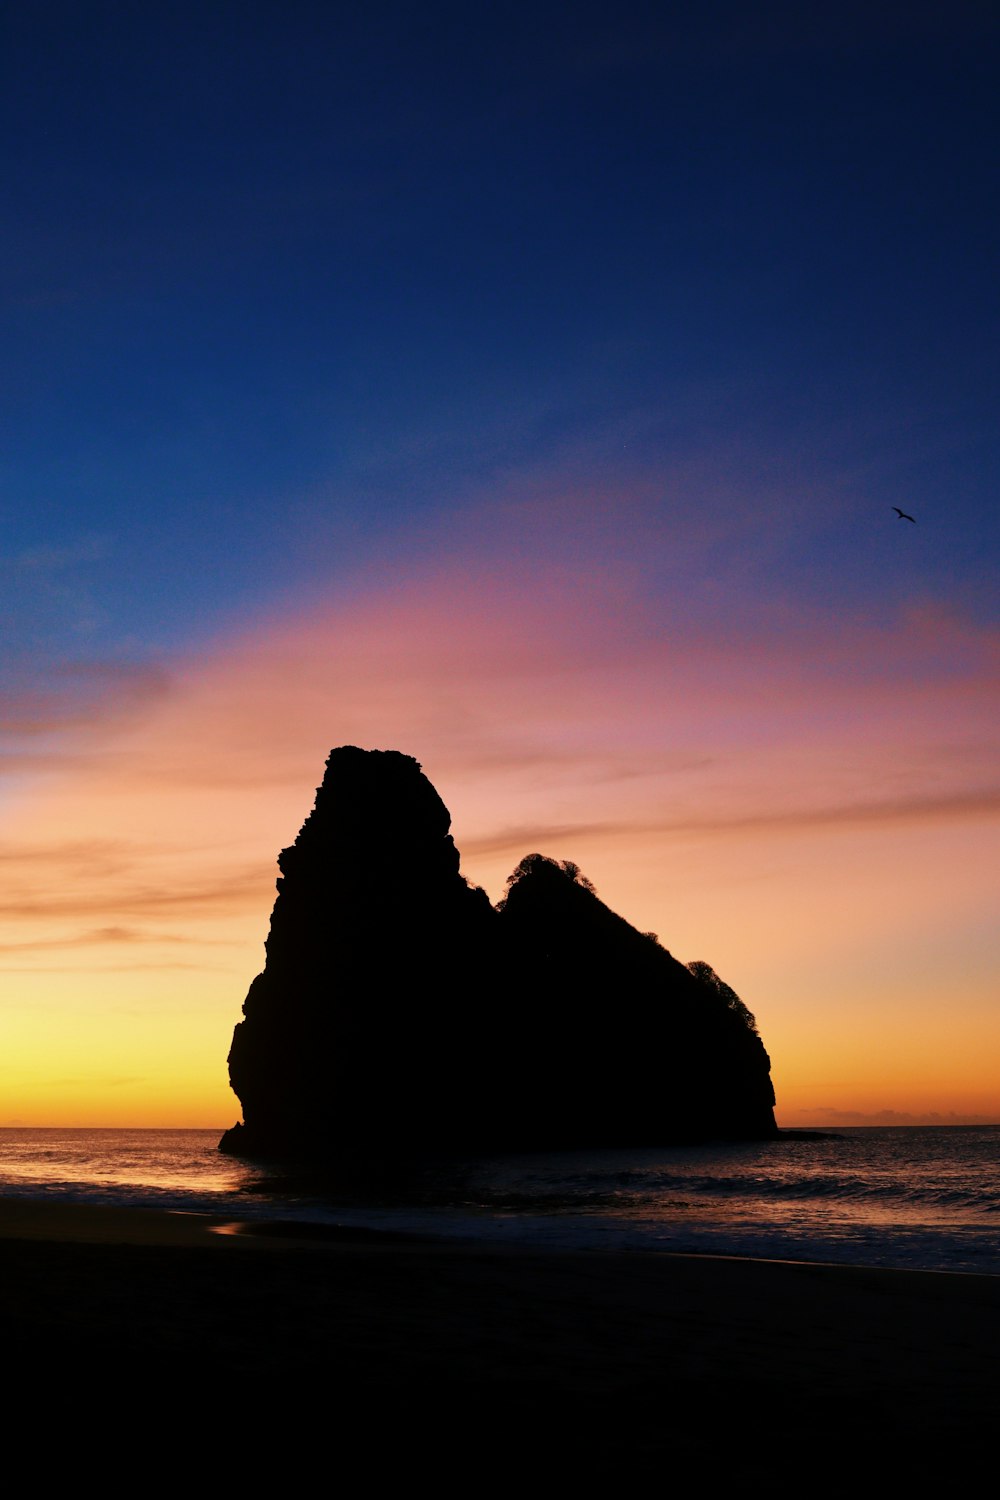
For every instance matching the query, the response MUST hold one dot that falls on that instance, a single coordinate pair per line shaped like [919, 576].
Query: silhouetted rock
[627, 1046]
[398, 1012]
[357, 1033]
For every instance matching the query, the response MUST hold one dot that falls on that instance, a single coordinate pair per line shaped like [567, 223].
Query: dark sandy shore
[253, 1357]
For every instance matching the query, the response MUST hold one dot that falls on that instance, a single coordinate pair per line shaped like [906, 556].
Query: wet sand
[254, 1356]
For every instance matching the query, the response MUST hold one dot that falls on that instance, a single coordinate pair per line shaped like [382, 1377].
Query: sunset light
[499, 758]
[613, 444]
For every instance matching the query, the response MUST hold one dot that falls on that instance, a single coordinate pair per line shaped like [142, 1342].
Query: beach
[400, 1352]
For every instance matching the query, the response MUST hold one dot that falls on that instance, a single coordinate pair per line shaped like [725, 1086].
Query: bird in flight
[902, 514]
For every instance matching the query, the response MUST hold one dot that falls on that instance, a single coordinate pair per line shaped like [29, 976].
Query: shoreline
[619, 1359]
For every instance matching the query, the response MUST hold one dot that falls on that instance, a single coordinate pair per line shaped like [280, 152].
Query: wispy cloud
[234, 893]
[112, 936]
[523, 839]
[74, 698]
[914, 811]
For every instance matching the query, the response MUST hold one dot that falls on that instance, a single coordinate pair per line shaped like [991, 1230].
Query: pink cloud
[537, 687]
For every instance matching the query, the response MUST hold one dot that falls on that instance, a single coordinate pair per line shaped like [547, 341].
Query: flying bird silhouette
[902, 514]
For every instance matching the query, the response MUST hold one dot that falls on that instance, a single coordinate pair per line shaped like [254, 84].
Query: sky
[528, 388]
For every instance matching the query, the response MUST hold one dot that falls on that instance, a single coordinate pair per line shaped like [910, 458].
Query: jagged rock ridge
[398, 1011]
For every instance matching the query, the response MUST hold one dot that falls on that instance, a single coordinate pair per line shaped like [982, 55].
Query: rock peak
[399, 1011]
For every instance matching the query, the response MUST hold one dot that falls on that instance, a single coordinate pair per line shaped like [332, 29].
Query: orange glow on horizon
[825, 840]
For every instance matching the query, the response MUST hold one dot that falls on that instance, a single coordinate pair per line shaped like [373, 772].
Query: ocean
[904, 1197]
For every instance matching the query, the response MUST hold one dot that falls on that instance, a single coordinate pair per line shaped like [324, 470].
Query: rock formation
[363, 1028]
[399, 1012]
[646, 1051]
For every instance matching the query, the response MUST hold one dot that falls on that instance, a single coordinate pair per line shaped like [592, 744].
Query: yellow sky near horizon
[818, 823]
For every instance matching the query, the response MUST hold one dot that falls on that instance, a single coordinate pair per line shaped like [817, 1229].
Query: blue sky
[284, 283]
